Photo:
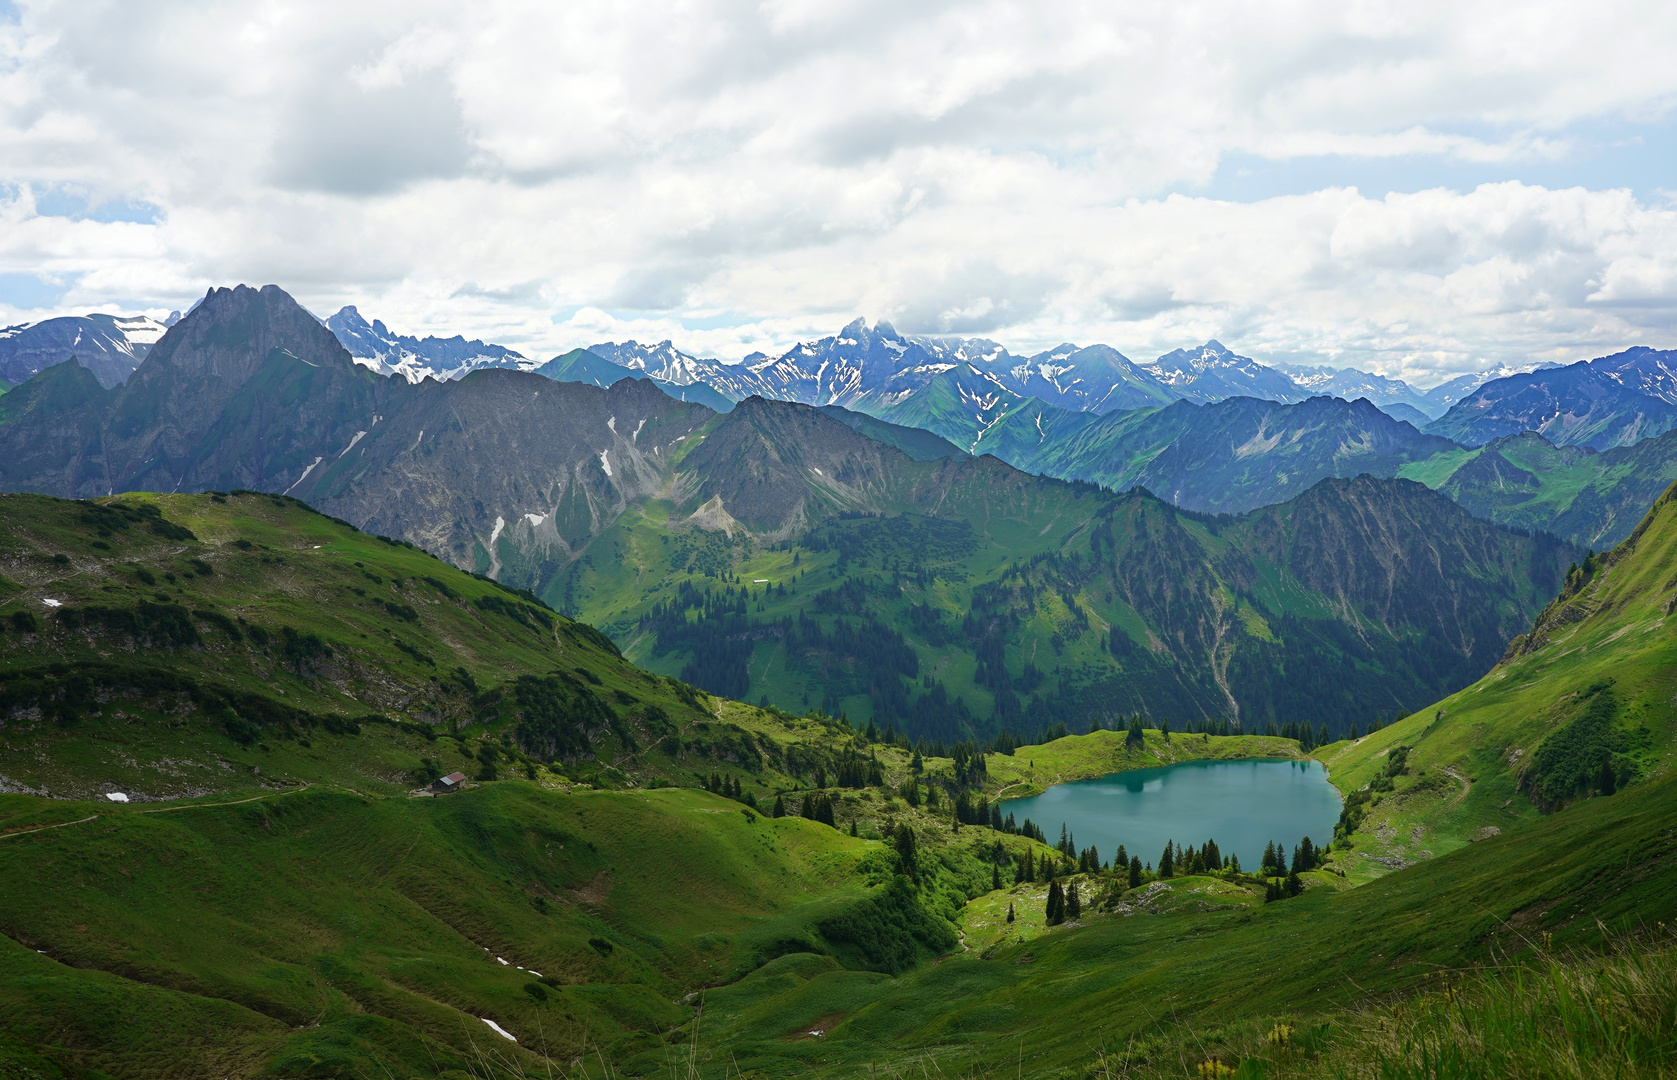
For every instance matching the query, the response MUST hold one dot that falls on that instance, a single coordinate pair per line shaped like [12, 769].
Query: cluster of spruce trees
[1063, 904]
[816, 806]
[1282, 881]
[730, 788]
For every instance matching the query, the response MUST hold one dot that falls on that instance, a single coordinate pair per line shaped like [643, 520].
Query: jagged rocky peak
[231, 332]
[375, 345]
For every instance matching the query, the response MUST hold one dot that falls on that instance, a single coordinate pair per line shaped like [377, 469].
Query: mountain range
[1025, 600]
[1613, 401]
[975, 395]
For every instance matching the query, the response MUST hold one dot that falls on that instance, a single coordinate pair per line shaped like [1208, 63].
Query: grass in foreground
[1585, 1015]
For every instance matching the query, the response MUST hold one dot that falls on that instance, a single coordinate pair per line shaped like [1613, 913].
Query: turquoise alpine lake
[1242, 805]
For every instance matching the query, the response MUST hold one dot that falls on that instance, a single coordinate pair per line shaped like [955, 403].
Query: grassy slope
[1471, 750]
[321, 929]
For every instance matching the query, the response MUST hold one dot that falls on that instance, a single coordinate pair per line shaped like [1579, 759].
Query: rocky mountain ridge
[416, 359]
[110, 346]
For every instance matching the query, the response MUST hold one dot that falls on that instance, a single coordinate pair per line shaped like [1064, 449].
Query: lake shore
[1032, 770]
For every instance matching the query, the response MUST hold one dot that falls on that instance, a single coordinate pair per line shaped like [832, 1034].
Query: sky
[1419, 189]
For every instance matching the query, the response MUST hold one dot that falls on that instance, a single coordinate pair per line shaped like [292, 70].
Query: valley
[760, 716]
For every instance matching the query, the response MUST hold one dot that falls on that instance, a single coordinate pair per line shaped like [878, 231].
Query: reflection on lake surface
[1241, 804]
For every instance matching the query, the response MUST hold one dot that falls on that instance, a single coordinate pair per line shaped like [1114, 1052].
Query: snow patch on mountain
[376, 346]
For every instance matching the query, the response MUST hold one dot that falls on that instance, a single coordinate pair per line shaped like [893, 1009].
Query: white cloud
[735, 175]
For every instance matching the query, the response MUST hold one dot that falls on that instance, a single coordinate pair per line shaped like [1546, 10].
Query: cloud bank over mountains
[739, 177]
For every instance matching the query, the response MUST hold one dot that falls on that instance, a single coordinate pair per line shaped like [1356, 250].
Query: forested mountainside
[958, 591]
[961, 595]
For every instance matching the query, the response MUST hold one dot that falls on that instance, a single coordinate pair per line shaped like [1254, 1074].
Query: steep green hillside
[176, 645]
[264, 686]
[1580, 704]
[1591, 498]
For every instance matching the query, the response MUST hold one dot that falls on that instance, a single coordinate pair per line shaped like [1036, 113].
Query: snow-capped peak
[375, 346]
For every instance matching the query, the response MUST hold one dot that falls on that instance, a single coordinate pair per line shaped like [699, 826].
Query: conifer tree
[917, 766]
[853, 828]
[1010, 911]
[1269, 858]
[995, 877]
[1074, 906]
[1135, 872]
[1294, 885]
[1167, 862]
[1056, 910]
[908, 859]
[1134, 739]
[779, 807]
[1122, 859]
